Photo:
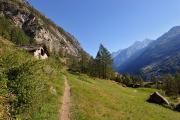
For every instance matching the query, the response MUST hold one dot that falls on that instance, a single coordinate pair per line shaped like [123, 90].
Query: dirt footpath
[65, 109]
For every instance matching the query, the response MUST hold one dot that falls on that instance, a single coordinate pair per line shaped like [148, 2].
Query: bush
[23, 82]
[171, 85]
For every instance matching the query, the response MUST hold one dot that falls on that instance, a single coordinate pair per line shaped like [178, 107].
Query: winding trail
[65, 109]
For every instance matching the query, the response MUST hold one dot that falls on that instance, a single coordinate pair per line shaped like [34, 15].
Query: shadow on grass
[80, 76]
[73, 72]
[84, 78]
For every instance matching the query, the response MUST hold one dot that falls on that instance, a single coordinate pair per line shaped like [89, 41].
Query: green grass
[95, 99]
[40, 85]
[50, 110]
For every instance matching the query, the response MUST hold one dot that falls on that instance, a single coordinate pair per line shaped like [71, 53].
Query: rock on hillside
[39, 28]
[156, 97]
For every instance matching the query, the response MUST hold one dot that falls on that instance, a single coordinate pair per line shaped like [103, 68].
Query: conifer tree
[104, 63]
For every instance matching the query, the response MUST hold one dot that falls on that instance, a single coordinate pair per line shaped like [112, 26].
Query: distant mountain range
[121, 57]
[114, 54]
[151, 58]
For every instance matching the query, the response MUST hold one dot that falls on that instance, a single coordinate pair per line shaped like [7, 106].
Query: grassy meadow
[95, 99]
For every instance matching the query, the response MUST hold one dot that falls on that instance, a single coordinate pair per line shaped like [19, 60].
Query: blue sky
[114, 23]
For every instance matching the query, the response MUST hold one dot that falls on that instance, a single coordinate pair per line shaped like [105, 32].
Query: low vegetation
[171, 85]
[29, 88]
[129, 80]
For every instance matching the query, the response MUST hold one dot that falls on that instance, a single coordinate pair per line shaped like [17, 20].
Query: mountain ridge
[160, 57]
[40, 28]
[126, 54]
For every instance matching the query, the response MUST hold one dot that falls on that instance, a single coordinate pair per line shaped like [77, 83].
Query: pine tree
[103, 63]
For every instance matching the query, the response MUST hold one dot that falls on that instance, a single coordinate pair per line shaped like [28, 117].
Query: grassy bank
[29, 88]
[50, 110]
[104, 100]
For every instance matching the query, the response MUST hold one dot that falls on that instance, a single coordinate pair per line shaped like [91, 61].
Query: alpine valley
[45, 74]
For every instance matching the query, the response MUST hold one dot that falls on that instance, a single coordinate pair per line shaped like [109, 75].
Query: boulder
[156, 97]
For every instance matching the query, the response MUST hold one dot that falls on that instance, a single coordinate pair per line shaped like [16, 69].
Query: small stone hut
[38, 51]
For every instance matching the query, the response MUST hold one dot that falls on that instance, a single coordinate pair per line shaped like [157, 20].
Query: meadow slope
[29, 88]
[95, 99]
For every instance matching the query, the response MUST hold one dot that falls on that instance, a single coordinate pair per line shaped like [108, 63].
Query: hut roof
[30, 47]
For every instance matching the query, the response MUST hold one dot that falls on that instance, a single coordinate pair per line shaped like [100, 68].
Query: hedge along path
[65, 109]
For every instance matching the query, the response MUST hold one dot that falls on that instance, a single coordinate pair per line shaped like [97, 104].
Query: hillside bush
[25, 82]
[171, 85]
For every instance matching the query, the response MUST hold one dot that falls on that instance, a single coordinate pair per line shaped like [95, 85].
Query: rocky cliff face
[39, 28]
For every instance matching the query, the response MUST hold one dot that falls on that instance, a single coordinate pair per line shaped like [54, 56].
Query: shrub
[171, 85]
[23, 82]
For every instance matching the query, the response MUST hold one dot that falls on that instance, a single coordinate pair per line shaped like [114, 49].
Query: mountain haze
[160, 57]
[122, 57]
